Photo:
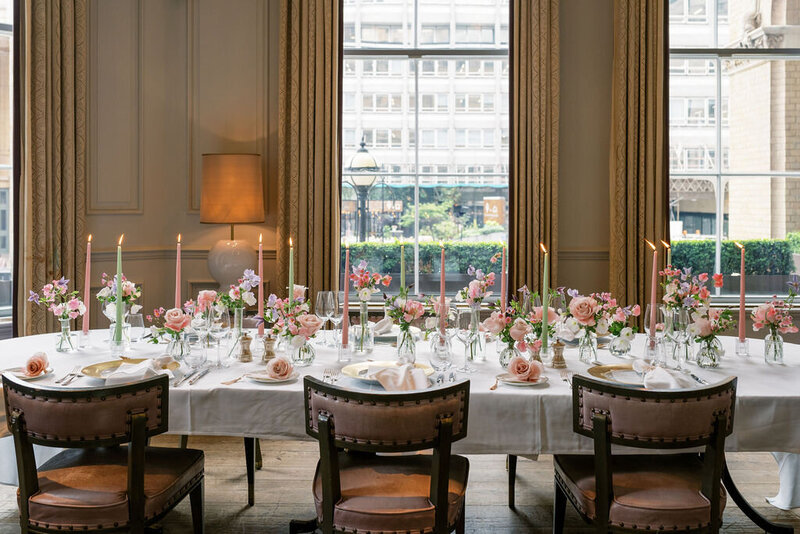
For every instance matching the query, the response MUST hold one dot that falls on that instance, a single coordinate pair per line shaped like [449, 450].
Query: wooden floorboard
[283, 492]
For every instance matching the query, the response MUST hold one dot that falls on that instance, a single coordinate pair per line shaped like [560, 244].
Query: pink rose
[537, 312]
[299, 292]
[495, 323]
[37, 364]
[413, 310]
[718, 282]
[176, 320]
[583, 309]
[279, 368]
[619, 315]
[205, 299]
[522, 369]
[519, 329]
[636, 310]
[309, 325]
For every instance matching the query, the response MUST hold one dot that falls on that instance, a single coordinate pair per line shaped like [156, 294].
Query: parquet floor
[283, 492]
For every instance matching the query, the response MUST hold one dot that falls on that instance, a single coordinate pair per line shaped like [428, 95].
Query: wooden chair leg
[511, 461]
[297, 526]
[559, 509]
[196, 498]
[249, 459]
[184, 441]
[259, 462]
[461, 521]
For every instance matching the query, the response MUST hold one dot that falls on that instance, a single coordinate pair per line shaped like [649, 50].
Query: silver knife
[186, 377]
[199, 375]
[699, 380]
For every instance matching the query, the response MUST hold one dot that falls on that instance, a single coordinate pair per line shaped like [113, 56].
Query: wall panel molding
[116, 184]
[155, 254]
[583, 255]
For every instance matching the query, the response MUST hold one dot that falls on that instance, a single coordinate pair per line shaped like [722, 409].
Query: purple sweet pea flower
[479, 275]
[33, 297]
[524, 290]
[794, 284]
[249, 280]
[61, 283]
[271, 300]
[572, 293]
[471, 270]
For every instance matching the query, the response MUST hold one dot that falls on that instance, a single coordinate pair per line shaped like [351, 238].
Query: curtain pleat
[639, 177]
[52, 189]
[308, 142]
[533, 180]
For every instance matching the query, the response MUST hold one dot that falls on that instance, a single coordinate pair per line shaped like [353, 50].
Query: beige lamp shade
[233, 190]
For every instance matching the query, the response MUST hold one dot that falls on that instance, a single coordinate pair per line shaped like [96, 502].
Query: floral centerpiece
[775, 315]
[474, 294]
[366, 284]
[706, 324]
[64, 304]
[108, 296]
[171, 323]
[587, 317]
[239, 296]
[404, 311]
[293, 320]
[618, 326]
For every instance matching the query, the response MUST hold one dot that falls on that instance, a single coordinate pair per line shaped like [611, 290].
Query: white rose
[249, 298]
[105, 292]
[602, 327]
[627, 334]
[364, 294]
[219, 307]
[297, 342]
[198, 322]
[135, 308]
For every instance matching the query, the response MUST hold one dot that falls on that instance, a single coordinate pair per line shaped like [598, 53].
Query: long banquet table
[515, 420]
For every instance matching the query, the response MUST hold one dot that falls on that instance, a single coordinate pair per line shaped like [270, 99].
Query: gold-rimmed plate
[359, 370]
[103, 369]
[621, 373]
[263, 378]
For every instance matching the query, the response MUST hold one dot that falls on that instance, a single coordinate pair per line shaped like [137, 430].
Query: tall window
[425, 88]
[734, 112]
[6, 136]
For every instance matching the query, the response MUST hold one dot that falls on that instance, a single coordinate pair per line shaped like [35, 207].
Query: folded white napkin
[134, 372]
[660, 378]
[401, 378]
[384, 326]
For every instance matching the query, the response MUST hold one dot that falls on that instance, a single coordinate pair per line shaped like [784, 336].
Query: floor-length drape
[533, 180]
[638, 174]
[52, 110]
[308, 142]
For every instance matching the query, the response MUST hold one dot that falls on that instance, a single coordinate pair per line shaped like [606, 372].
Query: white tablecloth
[524, 421]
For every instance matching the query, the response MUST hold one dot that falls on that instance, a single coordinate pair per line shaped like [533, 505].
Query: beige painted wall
[170, 80]
[585, 125]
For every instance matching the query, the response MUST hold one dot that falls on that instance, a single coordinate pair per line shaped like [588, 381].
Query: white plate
[264, 378]
[359, 370]
[508, 378]
[19, 372]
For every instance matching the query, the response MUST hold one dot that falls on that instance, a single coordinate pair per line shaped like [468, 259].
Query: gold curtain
[52, 218]
[639, 177]
[533, 181]
[308, 142]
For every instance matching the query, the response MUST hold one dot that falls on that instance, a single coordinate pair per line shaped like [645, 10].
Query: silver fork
[335, 375]
[566, 376]
[74, 371]
[72, 379]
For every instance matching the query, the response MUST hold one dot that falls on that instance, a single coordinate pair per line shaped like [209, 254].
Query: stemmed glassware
[336, 315]
[655, 340]
[219, 325]
[441, 346]
[680, 322]
[465, 335]
[324, 309]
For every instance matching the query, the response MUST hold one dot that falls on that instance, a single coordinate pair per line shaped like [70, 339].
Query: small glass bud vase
[178, 347]
[303, 352]
[508, 354]
[363, 334]
[709, 352]
[587, 347]
[742, 348]
[66, 341]
[619, 347]
[406, 347]
[773, 348]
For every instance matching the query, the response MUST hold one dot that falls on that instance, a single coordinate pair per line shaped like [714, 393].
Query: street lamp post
[362, 169]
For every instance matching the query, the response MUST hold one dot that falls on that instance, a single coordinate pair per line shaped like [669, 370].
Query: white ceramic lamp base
[228, 259]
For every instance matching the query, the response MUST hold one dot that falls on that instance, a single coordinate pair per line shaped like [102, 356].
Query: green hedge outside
[459, 255]
[763, 256]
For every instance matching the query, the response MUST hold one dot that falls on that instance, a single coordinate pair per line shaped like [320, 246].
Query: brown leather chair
[357, 489]
[635, 493]
[96, 485]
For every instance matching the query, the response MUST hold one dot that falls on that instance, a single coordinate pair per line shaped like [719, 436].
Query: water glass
[680, 322]
[337, 298]
[137, 326]
[464, 334]
[219, 326]
[324, 309]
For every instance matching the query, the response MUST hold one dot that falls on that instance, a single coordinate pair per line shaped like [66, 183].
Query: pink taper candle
[741, 296]
[178, 274]
[653, 287]
[503, 282]
[441, 293]
[87, 277]
[346, 305]
[260, 284]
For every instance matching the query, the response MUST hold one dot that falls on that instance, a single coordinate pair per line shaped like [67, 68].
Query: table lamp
[232, 193]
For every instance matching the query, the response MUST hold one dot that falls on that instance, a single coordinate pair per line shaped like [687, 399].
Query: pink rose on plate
[584, 309]
[176, 320]
[519, 329]
[37, 364]
[205, 299]
[279, 369]
[495, 323]
[309, 325]
[522, 369]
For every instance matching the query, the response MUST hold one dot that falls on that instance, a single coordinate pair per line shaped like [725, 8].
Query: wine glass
[465, 335]
[441, 345]
[219, 325]
[655, 340]
[335, 316]
[323, 309]
[137, 326]
[680, 322]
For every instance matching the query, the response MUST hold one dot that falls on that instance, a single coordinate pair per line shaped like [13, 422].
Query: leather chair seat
[88, 488]
[389, 494]
[655, 492]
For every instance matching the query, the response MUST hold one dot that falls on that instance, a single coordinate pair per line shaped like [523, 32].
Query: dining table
[506, 419]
